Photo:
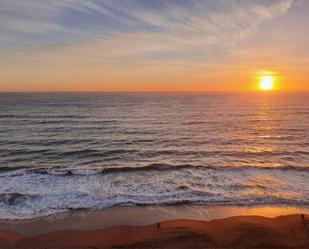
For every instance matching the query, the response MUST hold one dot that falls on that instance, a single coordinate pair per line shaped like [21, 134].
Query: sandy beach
[163, 227]
[291, 231]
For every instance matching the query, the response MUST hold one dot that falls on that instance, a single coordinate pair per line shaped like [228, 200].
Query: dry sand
[289, 231]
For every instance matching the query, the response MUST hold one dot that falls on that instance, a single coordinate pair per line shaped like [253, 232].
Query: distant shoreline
[290, 231]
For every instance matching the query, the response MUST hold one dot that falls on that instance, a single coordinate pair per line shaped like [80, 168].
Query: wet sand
[291, 231]
[139, 216]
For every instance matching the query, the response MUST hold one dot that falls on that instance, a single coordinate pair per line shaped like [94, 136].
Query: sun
[267, 83]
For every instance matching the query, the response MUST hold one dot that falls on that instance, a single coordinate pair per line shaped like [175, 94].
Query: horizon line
[196, 92]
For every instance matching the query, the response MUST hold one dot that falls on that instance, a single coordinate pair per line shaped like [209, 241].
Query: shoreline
[290, 231]
[140, 216]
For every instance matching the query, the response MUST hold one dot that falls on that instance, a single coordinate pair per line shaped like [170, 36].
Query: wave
[96, 153]
[7, 169]
[169, 167]
[14, 198]
[99, 152]
[42, 192]
[151, 167]
[159, 167]
[144, 200]
[245, 202]
[46, 206]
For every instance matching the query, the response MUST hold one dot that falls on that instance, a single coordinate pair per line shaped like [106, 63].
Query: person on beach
[302, 216]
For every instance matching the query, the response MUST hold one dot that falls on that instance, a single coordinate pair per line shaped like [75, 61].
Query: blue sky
[141, 44]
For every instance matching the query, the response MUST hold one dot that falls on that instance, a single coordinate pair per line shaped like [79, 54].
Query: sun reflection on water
[264, 126]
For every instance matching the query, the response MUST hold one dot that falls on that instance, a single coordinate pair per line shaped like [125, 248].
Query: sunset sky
[152, 45]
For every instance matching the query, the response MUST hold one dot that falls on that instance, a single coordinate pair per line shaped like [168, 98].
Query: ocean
[89, 151]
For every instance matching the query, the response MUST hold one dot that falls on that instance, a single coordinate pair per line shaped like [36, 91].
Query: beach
[291, 231]
[163, 227]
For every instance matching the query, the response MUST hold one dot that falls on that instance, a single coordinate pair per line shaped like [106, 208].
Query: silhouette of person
[302, 216]
[158, 225]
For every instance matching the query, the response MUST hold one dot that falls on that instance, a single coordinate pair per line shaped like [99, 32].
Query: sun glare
[267, 82]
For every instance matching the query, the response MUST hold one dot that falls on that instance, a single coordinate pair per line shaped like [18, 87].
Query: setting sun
[267, 83]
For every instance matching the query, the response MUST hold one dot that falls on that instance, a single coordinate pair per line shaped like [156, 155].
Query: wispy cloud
[130, 35]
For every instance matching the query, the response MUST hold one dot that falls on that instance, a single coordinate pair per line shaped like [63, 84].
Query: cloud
[130, 35]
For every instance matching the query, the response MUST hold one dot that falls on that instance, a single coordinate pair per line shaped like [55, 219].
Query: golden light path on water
[266, 128]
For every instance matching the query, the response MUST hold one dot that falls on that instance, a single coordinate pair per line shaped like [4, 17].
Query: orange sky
[152, 46]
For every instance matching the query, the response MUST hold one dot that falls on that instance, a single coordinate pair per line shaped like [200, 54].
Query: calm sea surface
[61, 152]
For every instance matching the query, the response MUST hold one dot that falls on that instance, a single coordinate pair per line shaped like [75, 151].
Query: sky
[152, 45]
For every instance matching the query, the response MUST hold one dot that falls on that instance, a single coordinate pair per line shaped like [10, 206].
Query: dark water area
[62, 151]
